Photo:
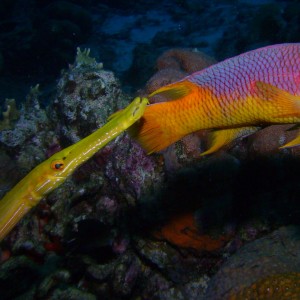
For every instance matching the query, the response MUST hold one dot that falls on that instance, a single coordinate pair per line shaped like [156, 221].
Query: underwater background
[127, 225]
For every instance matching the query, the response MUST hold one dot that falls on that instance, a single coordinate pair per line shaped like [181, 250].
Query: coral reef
[141, 171]
[85, 216]
[186, 60]
[284, 286]
[163, 77]
[32, 133]
[86, 95]
[268, 140]
[21, 266]
[270, 257]
[10, 114]
[174, 64]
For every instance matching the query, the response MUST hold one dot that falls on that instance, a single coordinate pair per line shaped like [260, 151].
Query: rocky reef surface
[273, 256]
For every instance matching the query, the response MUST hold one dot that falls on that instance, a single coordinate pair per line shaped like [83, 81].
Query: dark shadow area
[222, 193]
[92, 238]
[37, 40]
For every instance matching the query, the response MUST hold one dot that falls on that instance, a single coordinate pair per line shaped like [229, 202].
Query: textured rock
[284, 286]
[86, 96]
[274, 254]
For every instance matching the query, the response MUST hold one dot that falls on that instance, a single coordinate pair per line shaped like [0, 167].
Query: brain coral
[256, 263]
[276, 287]
[174, 64]
[189, 61]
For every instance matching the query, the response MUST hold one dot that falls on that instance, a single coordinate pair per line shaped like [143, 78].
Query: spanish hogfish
[233, 98]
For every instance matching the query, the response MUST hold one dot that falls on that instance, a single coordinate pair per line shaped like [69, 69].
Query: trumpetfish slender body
[232, 98]
[51, 173]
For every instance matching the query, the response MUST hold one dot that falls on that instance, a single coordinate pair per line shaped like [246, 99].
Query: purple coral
[131, 170]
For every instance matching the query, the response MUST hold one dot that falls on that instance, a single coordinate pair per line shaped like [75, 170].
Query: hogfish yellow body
[54, 171]
[232, 98]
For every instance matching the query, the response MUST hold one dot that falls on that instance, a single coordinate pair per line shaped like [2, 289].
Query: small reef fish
[51, 173]
[182, 231]
[232, 99]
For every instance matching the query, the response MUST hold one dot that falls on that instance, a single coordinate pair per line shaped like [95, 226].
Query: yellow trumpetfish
[51, 173]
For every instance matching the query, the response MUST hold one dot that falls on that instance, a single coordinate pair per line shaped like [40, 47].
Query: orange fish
[182, 231]
[232, 99]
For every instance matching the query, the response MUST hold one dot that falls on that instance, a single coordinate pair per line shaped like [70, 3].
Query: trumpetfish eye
[57, 164]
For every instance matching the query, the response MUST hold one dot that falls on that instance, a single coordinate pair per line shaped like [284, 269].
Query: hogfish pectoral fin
[219, 138]
[287, 104]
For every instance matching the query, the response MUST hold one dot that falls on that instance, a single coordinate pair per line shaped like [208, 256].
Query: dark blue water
[39, 38]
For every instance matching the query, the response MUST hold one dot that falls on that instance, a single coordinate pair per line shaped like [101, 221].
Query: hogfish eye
[57, 164]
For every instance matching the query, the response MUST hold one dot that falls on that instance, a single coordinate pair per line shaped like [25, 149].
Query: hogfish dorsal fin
[288, 103]
[175, 91]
